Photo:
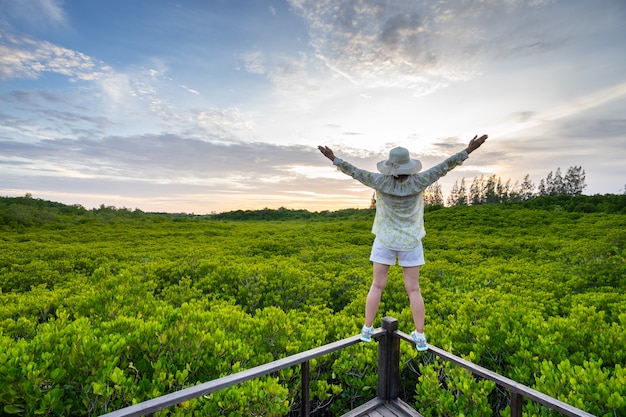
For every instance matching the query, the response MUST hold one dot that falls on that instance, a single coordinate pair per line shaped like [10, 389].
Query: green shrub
[106, 308]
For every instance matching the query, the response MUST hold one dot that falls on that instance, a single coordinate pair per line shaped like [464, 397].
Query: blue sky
[205, 106]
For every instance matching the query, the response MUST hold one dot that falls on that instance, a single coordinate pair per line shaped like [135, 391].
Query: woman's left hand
[475, 143]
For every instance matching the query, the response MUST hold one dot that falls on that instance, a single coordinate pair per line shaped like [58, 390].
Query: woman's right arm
[366, 178]
[327, 152]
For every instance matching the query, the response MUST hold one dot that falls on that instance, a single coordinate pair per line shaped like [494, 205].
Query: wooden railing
[303, 359]
[389, 338]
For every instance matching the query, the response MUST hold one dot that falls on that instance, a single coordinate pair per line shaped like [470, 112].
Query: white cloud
[52, 9]
[98, 94]
[384, 42]
[567, 109]
[191, 90]
[426, 45]
[23, 57]
[117, 88]
[36, 13]
[254, 62]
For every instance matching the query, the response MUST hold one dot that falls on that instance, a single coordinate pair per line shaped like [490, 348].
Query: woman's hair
[401, 177]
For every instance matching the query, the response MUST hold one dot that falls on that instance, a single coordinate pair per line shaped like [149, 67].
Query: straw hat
[399, 163]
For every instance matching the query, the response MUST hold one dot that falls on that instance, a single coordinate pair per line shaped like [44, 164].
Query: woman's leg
[412, 286]
[376, 291]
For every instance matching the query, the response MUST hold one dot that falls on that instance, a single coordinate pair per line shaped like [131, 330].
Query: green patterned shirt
[399, 221]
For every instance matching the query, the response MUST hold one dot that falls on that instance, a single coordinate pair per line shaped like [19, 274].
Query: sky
[194, 106]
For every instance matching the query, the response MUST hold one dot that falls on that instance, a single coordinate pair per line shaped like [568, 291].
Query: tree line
[493, 190]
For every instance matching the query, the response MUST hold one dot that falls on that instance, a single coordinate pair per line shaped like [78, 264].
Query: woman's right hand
[327, 152]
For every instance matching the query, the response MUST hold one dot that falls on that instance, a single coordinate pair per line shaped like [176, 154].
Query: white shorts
[383, 255]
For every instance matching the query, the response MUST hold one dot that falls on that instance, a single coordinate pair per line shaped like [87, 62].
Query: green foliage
[445, 390]
[608, 203]
[101, 309]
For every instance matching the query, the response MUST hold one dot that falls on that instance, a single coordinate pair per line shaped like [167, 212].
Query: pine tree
[433, 196]
[527, 188]
[453, 198]
[462, 198]
[542, 190]
[510, 190]
[493, 190]
[574, 181]
[501, 191]
[477, 192]
[558, 185]
[490, 190]
[515, 191]
[555, 184]
[458, 194]
[549, 183]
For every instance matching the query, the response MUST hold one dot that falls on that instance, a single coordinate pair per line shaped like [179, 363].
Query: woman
[399, 225]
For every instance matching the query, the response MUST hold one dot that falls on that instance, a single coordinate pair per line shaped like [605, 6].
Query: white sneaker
[366, 333]
[420, 341]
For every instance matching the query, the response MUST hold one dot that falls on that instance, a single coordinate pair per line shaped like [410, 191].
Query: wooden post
[389, 361]
[306, 383]
[516, 404]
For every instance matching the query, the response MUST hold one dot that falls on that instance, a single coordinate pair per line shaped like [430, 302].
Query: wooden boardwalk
[387, 403]
[381, 408]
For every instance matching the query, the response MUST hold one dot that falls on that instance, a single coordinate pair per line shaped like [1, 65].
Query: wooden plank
[380, 408]
[364, 409]
[404, 408]
[387, 411]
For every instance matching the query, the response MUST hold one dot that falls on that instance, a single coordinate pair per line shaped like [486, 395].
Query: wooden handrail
[515, 388]
[388, 377]
[186, 394]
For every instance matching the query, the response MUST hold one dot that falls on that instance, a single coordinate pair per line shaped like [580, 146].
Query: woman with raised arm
[399, 225]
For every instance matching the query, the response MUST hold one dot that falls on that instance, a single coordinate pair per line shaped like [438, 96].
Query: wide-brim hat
[399, 163]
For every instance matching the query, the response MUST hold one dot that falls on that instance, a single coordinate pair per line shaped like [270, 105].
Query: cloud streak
[419, 44]
[23, 57]
[569, 109]
[209, 176]
[35, 13]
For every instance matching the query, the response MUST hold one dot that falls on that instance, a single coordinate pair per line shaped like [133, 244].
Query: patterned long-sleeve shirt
[399, 220]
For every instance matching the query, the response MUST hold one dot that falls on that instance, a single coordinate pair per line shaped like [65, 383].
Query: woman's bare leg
[376, 291]
[412, 286]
